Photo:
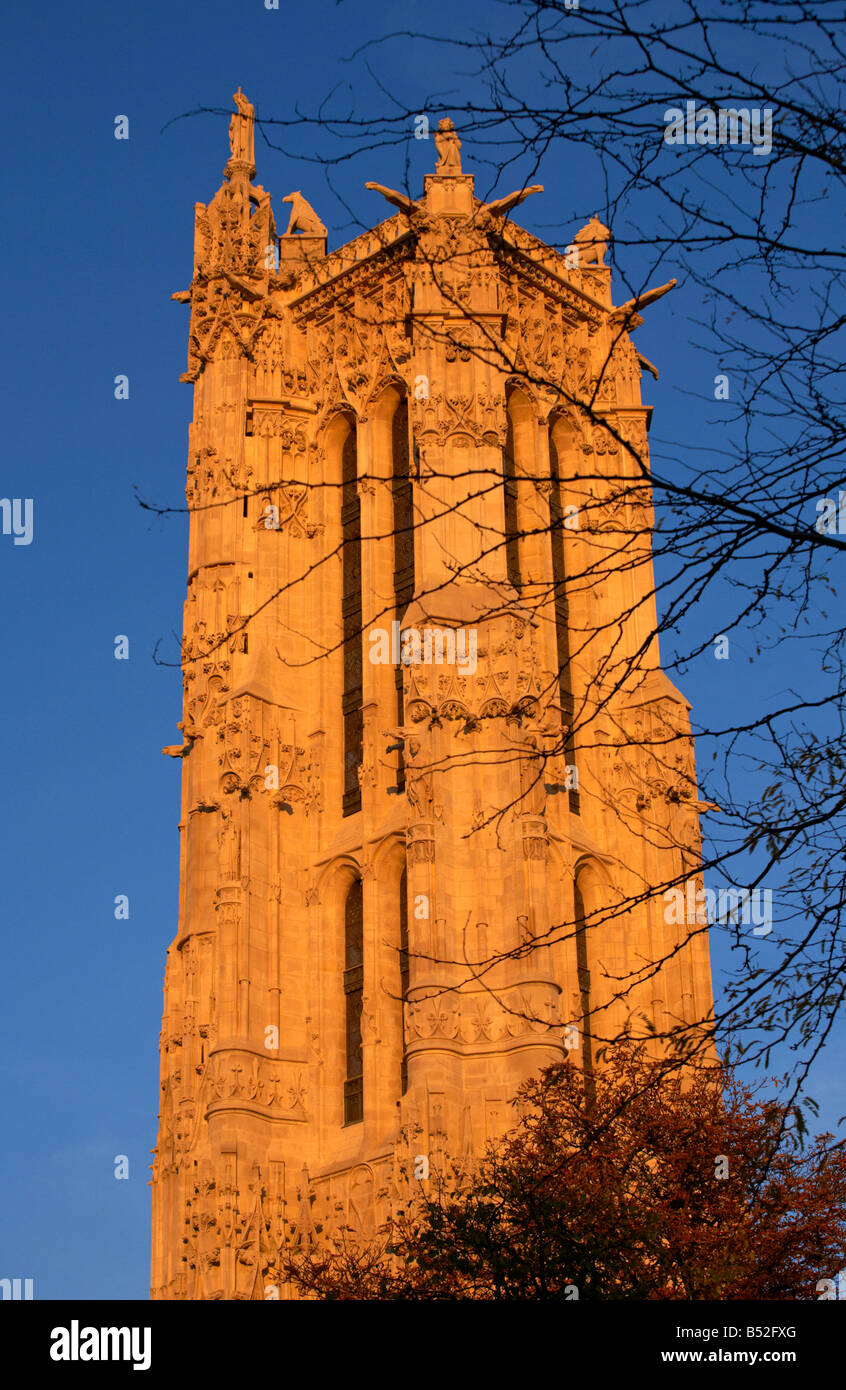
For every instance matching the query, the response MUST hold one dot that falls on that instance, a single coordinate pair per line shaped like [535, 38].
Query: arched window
[509, 482]
[401, 486]
[562, 613]
[527, 563]
[351, 617]
[580, 887]
[403, 965]
[353, 997]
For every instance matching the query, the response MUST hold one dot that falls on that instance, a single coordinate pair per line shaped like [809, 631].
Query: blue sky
[99, 234]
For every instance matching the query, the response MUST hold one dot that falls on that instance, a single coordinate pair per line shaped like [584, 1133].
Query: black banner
[85, 1339]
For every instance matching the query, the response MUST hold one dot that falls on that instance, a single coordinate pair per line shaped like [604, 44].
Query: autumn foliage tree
[644, 1183]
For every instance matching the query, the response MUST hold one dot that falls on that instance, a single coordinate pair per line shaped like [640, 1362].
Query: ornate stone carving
[600, 442]
[473, 1018]
[272, 1084]
[506, 682]
[244, 747]
[234, 239]
[535, 838]
[420, 843]
[480, 417]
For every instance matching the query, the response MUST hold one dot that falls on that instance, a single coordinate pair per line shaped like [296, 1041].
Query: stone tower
[434, 781]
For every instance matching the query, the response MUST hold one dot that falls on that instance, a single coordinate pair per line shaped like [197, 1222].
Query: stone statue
[242, 130]
[591, 242]
[303, 217]
[229, 843]
[448, 146]
[420, 795]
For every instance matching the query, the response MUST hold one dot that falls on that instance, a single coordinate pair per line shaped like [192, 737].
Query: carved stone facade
[436, 427]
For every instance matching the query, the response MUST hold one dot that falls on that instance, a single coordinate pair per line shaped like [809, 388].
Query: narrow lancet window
[562, 614]
[404, 974]
[353, 999]
[351, 615]
[509, 482]
[403, 546]
[583, 973]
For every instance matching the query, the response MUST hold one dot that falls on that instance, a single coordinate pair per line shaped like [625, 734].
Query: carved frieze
[273, 1084]
[244, 746]
[648, 769]
[284, 509]
[420, 843]
[363, 344]
[484, 1018]
[256, 756]
[233, 233]
[273, 351]
[505, 683]
[535, 836]
[479, 416]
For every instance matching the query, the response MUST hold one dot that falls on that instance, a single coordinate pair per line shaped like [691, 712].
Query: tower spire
[383, 934]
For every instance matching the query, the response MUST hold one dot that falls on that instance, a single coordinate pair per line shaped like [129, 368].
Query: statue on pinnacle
[242, 131]
[448, 147]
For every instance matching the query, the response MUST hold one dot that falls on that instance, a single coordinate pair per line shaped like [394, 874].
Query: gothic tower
[434, 780]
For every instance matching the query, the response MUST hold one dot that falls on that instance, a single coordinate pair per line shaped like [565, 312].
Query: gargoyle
[248, 291]
[500, 207]
[628, 314]
[645, 362]
[177, 750]
[399, 200]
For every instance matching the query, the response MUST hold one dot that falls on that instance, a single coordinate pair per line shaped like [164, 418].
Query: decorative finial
[448, 147]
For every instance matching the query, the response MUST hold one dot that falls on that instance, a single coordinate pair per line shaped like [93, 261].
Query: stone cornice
[545, 280]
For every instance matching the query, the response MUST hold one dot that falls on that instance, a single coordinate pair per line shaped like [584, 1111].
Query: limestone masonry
[402, 866]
